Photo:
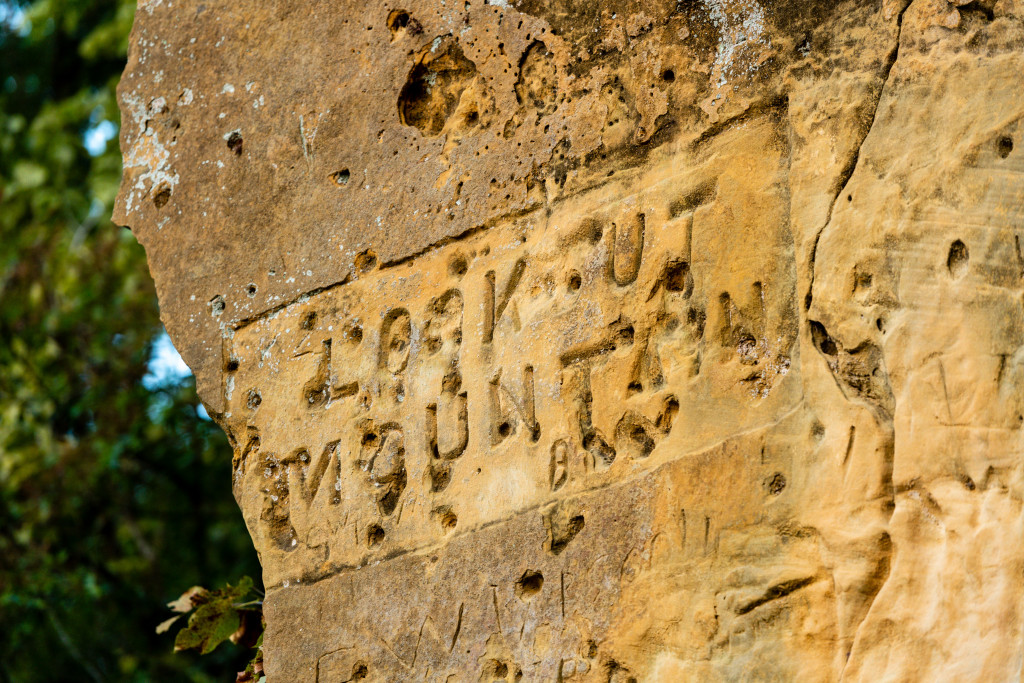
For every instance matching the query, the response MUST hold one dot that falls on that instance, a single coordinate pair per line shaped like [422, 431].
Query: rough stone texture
[603, 341]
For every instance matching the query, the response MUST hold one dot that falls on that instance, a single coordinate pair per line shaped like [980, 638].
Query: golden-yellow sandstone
[635, 340]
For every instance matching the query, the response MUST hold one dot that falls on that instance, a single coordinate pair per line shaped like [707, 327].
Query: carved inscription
[530, 361]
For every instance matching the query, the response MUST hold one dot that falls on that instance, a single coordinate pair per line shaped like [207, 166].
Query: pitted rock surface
[603, 341]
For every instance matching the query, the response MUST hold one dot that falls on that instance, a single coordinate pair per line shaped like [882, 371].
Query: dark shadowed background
[115, 492]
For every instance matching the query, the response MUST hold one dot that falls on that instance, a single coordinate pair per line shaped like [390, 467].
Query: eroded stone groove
[603, 341]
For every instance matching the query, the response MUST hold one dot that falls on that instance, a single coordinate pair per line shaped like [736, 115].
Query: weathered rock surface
[603, 341]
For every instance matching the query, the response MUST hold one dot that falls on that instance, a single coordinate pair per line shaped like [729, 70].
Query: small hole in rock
[504, 429]
[217, 305]
[448, 519]
[374, 535]
[776, 484]
[359, 672]
[822, 340]
[232, 365]
[575, 281]
[397, 20]
[235, 143]
[308, 321]
[254, 399]
[365, 261]
[956, 262]
[668, 75]
[1004, 146]
[529, 584]
[458, 266]
[341, 178]
[626, 334]
[676, 276]
[162, 196]
[251, 290]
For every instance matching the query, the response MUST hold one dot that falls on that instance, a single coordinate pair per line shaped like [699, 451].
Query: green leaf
[211, 625]
[216, 618]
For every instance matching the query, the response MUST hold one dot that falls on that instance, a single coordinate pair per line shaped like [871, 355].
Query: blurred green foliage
[114, 497]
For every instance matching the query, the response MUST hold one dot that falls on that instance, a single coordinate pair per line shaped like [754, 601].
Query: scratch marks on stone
[849, 449]
[945, 390]
[458, 628]
[302, 298]
[307, 137]
[563, 593]
[497, 612]
[776, 592]
[328, 654]
[387, 646]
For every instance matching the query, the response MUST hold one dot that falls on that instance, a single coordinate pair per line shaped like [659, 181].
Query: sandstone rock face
[641, 340]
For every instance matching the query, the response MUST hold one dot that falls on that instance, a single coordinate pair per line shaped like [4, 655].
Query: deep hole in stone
[235, 143]
[560, 540]
[626, 334]
[365, 260]
[529, 584]
[575, 281]
[668, 75]
[398, 18]
[162, 196]
[341, 177]
[434, 87]
[822, 340]
[956, 262]
[447, 518]
[1004, 145]
[389, 501]
[251, 290]
[232, 365]
[374, 535]
[458, 266]
[676, 276]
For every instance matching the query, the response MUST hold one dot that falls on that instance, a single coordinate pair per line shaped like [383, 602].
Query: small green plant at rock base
[214, 616]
